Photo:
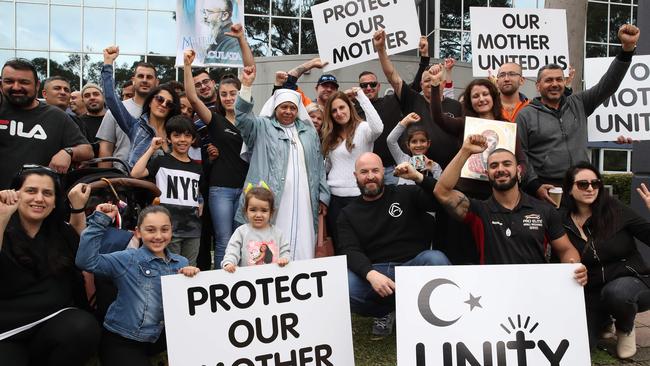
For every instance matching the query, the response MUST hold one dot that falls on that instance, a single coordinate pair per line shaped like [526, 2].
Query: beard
[20, 101]
[508, 90]
[371, 193]
[95, 108]
[502, 187]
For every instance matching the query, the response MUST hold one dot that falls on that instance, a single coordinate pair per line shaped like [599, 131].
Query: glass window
[306, 7]
[164, 67]
[257, 29]
[467, 47]
[67, 65]
[450, 44]
[466, 5]
[618, 15]
[65, 33]
[129, 34]
[290, 8]
[596, 50]
[162, 33]
[596, 22]
[34, 1]
[92, 68]
[6, 55]
[284, 36]
[67, 2]
[162, 5]
[508, 3]
[615, 160]
[308, 38]
[131, 4]
[614, 50]
[39, 59]
[450, 14]
[98, 29]
[102, 3]
[32, 25]
[634, 15]
[8, 26]
[526, 3]
[124, 68]
[256, 7]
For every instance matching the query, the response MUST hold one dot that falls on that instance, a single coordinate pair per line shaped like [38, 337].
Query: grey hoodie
[554, 140]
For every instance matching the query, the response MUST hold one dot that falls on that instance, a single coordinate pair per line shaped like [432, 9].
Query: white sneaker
[626, 344]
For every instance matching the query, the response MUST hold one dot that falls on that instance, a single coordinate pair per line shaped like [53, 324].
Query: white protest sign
[344, 29]
[499, 135]
[490, 315]
[627, 111]
[201, 25]
[260, 315]
[531, 38]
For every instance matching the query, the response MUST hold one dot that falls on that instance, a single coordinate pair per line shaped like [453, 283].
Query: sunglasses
[204, 82]
[372, 84]
[30, 167]
[583, 185]
[164, 102]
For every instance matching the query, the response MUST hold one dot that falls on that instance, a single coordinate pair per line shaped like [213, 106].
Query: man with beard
[510, 227]
[93, 99]
[33, 132]
[387, 226]
[112, 140]
[509, 80]
[553, 127]
[224, 50]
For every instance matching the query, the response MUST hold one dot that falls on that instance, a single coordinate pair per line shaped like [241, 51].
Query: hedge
[621, 183]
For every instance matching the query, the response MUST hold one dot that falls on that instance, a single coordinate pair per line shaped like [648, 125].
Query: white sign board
[344, 29]
[499, 135]
[627, 111]
[490, 315]
[531, 38]
[260, 315]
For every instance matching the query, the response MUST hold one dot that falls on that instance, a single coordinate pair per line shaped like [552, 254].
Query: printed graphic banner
[499, 135]
[490, 315]
[260, 315]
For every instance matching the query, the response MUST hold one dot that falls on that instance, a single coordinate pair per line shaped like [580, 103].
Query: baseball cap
[327, 78]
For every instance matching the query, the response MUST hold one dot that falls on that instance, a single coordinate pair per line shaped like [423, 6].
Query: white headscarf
[285, 95]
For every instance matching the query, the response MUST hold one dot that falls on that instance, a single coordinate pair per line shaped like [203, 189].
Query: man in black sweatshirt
[387, 226]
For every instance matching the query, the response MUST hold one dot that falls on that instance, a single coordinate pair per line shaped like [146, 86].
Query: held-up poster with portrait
[499, 135]
[201, 25]
[490, 315]
[260, 315]
[627, 111]
[344, 29]
[531, 38]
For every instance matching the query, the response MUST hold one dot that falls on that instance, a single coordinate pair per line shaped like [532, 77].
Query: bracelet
[77, 210]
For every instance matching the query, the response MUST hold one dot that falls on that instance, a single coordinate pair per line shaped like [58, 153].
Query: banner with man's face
[202, 26]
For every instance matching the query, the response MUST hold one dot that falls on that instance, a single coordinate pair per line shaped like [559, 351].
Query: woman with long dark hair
[604, 232]
[42, 290]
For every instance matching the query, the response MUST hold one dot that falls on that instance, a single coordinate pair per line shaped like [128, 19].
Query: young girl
[134, 321]
[417, 142]
[257, 242]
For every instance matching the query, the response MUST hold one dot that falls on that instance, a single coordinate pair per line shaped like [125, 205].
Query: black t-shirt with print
[228, 170]
[91, 126]
[178, 182]
[32, 137]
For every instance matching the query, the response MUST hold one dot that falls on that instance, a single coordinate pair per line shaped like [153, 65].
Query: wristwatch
[69, 151]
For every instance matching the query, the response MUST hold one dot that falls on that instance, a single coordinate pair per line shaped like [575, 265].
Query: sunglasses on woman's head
[164, 102]
[583, 185]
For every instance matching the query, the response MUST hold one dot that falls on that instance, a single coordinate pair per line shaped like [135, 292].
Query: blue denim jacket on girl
[137, 313]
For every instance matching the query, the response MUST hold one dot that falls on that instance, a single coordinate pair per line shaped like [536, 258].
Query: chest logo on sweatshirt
[394, 210]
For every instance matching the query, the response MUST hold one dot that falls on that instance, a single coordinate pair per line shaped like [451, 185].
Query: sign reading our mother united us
[491, 315]
[344, 29]
[260, 315]
[531, 38]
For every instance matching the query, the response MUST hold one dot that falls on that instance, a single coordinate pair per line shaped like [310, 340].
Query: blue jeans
[365, 301]
[223, 203]
[389, 178]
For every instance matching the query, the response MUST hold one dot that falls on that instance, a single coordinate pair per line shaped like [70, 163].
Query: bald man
[386, 226]
[509, 80]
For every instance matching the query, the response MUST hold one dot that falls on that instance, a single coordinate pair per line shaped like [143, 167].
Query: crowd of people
[239, 188]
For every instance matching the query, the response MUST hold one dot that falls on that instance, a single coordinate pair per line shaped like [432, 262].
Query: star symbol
[473, 302]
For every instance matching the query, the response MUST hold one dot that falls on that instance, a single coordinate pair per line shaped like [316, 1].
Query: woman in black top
[604, 231]
[40, 283]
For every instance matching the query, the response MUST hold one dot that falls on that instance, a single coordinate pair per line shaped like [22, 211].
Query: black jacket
[616, 256]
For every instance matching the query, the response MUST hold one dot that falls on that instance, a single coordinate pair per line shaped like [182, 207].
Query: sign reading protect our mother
[501, 315]
[260, 315]
[531, 38]
[344, 29]
[627, 111]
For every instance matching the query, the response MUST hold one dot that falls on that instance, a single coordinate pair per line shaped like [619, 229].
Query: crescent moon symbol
[425, 308]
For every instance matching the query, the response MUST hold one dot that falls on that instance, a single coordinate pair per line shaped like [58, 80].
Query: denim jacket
[270, 147]
[137, 313]
[138, 129]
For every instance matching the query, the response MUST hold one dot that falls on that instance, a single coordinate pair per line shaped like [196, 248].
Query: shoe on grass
[383, 327]
[626, 344]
